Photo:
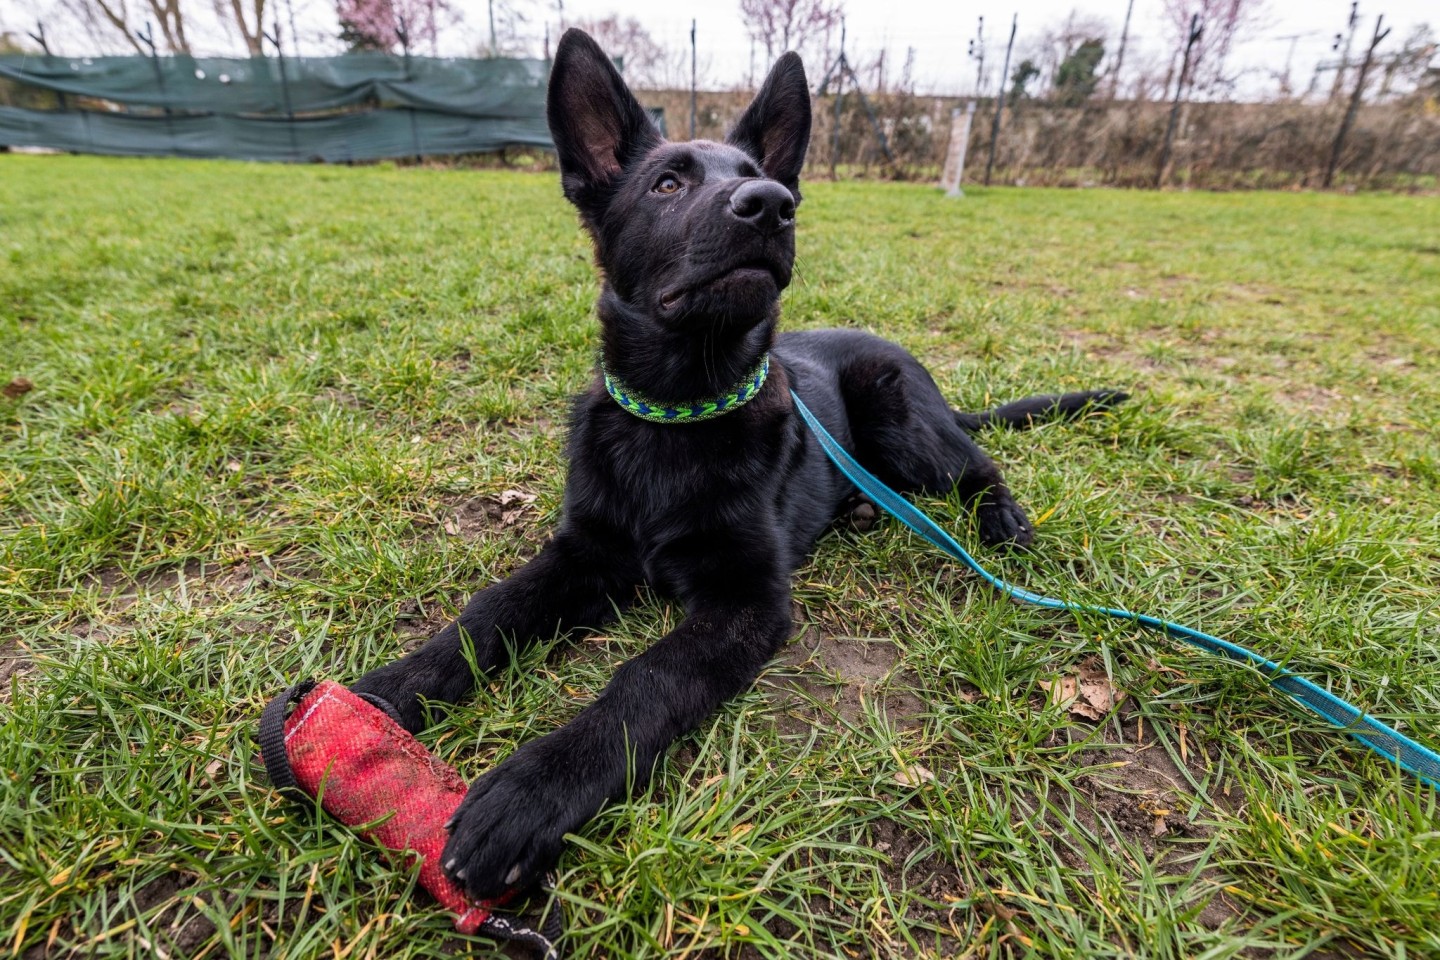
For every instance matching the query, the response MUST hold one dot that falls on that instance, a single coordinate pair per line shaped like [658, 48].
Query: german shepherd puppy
[695, 242]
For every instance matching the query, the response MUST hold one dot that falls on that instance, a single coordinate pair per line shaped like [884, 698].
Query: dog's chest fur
[655, 484]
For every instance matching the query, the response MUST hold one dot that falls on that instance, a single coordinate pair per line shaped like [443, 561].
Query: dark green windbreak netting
[355, 107]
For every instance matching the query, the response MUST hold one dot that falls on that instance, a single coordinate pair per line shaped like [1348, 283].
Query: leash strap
[1385, 740]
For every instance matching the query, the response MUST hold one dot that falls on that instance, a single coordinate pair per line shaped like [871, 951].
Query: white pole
[955, 155]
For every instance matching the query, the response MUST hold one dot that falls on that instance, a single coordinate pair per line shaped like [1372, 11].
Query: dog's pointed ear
[775, 128]
[597, 124]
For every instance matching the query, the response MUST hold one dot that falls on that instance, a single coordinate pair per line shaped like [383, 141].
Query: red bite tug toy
[366, 768]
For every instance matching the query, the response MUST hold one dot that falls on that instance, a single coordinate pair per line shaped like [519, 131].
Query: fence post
[865, 104]
[839, 71]
[1120, 55]
[403, 33]
[148, 38]
[1195, 31]
[274, 39]
[692, 79]
[1000, 100]
[955, 156]
[1354, 107]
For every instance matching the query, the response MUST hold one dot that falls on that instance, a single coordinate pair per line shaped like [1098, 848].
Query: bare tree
[1221, 22]
[248, 19]
[646, 64]
[780, 25]
[512, 26]
[1406, 70]
[103, 19]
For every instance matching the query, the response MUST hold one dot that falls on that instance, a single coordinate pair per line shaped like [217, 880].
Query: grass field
[283, 420]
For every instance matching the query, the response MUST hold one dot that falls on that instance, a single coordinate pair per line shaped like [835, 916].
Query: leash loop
[1383, 739]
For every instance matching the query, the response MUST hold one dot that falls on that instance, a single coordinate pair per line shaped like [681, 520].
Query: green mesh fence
[359, 106]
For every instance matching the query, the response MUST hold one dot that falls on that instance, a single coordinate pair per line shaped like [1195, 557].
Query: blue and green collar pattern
[739, 395]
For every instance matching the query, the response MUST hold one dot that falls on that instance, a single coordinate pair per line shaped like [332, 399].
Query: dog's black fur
[695, 241]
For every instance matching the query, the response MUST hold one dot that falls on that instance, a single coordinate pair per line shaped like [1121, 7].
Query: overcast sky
[1298, 33]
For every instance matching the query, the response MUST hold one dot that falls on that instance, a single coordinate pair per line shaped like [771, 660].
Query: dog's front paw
[1002, 522]
[510, 828]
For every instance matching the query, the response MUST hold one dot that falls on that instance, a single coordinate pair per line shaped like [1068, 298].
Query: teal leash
[1385, 740]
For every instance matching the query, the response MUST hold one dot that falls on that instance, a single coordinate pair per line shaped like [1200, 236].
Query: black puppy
[690, 470]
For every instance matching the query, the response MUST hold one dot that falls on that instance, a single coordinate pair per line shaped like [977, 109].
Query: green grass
[273, 409]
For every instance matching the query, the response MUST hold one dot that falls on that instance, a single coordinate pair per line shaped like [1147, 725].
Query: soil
[14, 662]
[821, 676]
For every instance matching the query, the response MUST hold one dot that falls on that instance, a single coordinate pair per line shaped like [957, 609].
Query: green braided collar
[740, 394]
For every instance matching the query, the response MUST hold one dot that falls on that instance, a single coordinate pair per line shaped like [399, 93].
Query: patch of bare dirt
[343, 399]
[181, 929]
[1257, 293]
[933, 882]
[17, 388]
[1135, 786]
[473, 517]
[188, 584]
[1109, 347]
[201, 582]
[934, 879]
[120, 591]
[14, 662]
[418, 620]
[843, 675]
[1142, 792]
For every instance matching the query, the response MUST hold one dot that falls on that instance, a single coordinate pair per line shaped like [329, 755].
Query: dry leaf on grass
[513, 504]
[1089, 695]
[505, 510]
[1159, 667]
[1160, 827]
[913, 775]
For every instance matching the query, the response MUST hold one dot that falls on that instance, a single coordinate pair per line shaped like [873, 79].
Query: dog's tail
[1023, 414]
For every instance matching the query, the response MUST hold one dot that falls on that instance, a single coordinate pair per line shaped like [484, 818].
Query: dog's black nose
[764, 204]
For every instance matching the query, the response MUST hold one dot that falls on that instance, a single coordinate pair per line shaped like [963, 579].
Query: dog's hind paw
[860, 514]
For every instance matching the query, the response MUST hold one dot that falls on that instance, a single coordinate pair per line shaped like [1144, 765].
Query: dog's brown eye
[667, 184]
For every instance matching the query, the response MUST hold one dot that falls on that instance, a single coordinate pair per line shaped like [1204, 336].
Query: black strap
[384, 706]
[272, 741]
